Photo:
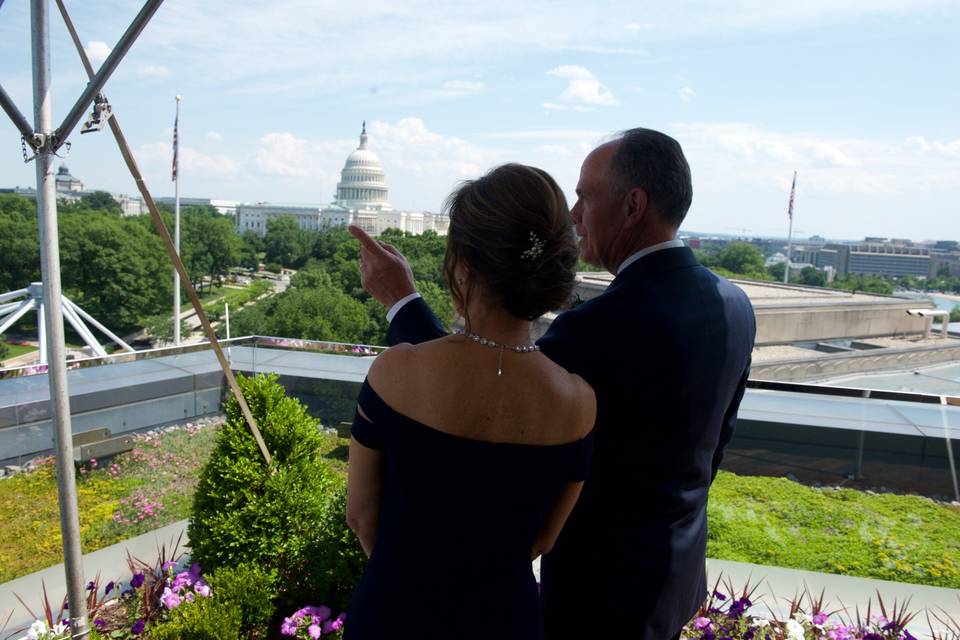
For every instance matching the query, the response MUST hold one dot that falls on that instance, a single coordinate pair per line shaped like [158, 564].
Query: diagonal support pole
[171, 249]
[106, 70]
[18, 118]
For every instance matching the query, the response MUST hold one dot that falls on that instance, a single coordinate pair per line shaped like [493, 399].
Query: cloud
[583, 88]
[742, 153]
[214, 136]
[687, 94]
[97, 51]
[191, 161]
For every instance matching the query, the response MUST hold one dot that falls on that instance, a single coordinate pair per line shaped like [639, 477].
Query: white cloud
[687, 94]
[583, 88]
[214, 136]
[97, 51]
[751, 155]
[191, 162]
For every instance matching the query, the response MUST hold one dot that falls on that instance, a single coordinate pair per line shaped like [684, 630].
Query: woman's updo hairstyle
[511, 228]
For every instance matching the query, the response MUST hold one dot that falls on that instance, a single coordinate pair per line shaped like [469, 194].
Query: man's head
[633, 192]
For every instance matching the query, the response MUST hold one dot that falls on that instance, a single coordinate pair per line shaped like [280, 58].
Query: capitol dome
[362, 184]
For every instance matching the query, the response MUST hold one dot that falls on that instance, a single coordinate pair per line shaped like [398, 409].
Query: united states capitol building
[361, 200]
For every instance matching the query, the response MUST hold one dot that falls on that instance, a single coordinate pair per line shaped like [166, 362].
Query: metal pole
[946, 437]
[226, 316]
[106, 70]
[176, 232]
[18, 118]
[53, 318]
[786, 270]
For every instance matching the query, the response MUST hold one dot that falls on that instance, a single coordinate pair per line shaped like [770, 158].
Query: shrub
[203, 619]
[248, 592]
[288, 517]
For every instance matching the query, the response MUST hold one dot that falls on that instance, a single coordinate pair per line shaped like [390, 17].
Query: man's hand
[384, 272]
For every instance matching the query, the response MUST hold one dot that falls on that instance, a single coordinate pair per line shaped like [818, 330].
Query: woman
[469, 451]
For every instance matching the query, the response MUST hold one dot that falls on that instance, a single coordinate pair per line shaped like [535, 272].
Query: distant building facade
[361, 199]
[71, 189]
[223, 207]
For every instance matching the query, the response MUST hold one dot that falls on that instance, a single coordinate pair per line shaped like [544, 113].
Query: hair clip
[536, 248]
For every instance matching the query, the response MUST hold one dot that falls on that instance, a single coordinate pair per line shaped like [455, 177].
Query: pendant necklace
[530, 347]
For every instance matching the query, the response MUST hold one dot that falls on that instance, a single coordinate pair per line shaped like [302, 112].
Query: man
[667, 350]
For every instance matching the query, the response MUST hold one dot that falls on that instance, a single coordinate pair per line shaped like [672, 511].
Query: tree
[114, 268]
[741, 257]
[955, 313]
[776, 270]
[161, 327]
[101, 201]
[812, 276]
[19, 247]
[285, 242]
[4, 349]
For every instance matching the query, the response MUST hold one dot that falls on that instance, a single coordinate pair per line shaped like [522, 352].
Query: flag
[789, 207]
[176, 123]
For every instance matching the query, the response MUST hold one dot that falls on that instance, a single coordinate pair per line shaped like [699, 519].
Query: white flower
[803, 618]
[37, 630]
[59, 629]
[761, 623]
[794, 630]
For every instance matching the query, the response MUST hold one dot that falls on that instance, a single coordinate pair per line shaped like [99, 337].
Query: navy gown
[458, 520]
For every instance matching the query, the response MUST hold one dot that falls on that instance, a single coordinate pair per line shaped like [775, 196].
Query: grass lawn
[18, 350]
[768, 521]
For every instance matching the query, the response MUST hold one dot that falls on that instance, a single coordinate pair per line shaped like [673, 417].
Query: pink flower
[314, 631]
[332, 626]
[820, 618]
[702, 623]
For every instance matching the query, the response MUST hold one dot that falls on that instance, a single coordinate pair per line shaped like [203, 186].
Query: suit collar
[658, 261]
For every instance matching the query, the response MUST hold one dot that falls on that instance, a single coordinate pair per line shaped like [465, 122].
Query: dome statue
[362, 184]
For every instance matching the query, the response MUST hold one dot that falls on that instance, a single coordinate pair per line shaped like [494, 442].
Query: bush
[248, 592]
[288, 518]
[203, 619]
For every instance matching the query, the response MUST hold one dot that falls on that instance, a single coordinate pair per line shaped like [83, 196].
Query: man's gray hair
[654, 162]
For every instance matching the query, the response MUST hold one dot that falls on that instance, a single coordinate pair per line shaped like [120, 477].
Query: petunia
[136, 581]
[137, 627]
[289, 627]
[820, 618]
[314, 631]
[794, 630]
[702, 623]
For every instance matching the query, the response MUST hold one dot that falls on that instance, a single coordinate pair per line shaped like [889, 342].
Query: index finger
[366, 242]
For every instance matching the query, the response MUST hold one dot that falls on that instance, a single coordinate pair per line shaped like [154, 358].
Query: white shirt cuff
[395, 309]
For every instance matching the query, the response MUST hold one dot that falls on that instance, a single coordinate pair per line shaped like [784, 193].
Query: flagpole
[176, 227]
[786, 267]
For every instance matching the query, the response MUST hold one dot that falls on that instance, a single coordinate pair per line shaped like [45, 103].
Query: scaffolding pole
[53, 319]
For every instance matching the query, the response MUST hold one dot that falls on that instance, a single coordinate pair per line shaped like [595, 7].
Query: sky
[860, 97]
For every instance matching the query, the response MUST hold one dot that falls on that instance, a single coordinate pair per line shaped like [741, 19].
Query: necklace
[530, 347]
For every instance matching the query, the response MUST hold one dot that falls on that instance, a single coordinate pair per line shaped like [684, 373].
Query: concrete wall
[802, 323]
[839, 364]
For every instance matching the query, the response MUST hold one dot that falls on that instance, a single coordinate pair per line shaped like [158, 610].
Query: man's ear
[637, 204]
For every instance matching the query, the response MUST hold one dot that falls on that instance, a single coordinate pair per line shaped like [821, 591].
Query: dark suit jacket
[667, 350]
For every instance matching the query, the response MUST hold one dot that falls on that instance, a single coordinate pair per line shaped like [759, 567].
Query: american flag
[176, 123]
[789, 208]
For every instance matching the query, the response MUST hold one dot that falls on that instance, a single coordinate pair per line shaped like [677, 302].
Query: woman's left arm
[364, 484]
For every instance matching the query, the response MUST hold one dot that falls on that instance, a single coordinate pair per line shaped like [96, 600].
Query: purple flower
[100, 623]
[872, 636]
[891, 626]
[136, 581]
[749, 633]
[195, 570]
[202, 589]
[332, 626]
[109, 587]
[820, 618]
[170, 599]
[137, 627]
[91, 586]
[719, 596]
[738, 607]
[314, 631]
[289, 627]
[907, 636]
[701, 623]
[708, 635]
